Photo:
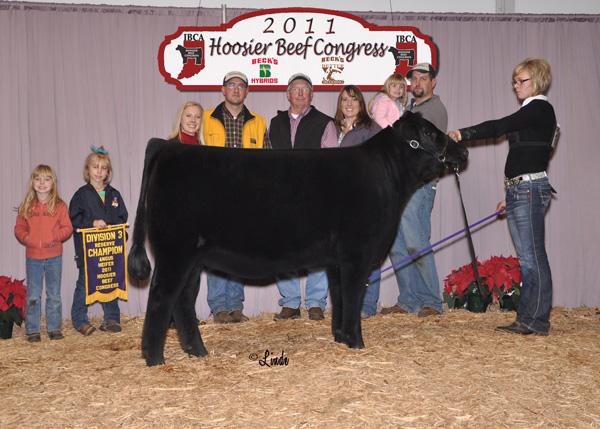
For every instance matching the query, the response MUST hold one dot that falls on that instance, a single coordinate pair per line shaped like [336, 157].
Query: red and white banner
[333, 48]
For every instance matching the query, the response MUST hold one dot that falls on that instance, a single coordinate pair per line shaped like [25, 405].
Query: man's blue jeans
[369, 307]
[417, 281]
[79, 309]
[526, 205]
[224, 294]
[316, 291]
[38, 270]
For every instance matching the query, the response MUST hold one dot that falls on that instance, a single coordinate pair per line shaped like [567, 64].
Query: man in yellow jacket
[231, 124]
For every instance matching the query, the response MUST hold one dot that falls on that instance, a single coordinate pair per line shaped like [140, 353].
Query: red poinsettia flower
[17, 288]
[459, 280]
[13, 295]
[498, 274]
[3, 302]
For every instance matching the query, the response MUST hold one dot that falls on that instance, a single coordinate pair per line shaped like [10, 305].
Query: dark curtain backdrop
[72, 76]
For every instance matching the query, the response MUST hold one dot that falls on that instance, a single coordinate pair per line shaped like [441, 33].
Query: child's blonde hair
[97, 157]
[26, 207]
[393, 78]
[396, 78]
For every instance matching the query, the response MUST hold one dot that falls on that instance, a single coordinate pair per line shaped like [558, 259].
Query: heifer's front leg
[158, 313]
[333, 277]
[185, 316]
[354, 280]
[168, 281]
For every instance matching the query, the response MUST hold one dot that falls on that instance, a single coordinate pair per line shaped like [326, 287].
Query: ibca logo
[192, 53]
[405, 53]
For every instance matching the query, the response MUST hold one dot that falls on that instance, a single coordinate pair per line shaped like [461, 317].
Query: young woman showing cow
[528, 191]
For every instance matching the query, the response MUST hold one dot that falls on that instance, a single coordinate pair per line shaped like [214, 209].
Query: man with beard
[418, 281]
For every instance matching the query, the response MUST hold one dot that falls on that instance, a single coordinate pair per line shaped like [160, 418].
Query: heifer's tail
[138, 264]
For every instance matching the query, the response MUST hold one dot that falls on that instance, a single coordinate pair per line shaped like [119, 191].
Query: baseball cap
[423, 68]
[299, 76]
[233, 74]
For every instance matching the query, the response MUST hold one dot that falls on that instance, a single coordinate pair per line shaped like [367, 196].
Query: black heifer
[257, 214]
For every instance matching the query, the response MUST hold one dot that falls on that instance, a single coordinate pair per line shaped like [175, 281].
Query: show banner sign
[332, 48]
[105, 257]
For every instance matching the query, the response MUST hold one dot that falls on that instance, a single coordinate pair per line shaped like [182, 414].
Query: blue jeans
[417, 281]
[369, 307]
[79, 309]
[316, 291]
[224, 294]
[526, 205]
[37, 270]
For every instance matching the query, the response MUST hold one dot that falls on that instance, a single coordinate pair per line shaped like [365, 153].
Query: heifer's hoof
[155, 361]
[196, 351]
[352, 342]
[356, 344]
[339, 337]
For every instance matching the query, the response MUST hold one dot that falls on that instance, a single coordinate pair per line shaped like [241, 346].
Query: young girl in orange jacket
[42, 225]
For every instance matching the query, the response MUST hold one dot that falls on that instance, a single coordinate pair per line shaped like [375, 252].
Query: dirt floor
[450, 371]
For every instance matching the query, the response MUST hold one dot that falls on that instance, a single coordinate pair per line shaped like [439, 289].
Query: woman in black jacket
[530, 132]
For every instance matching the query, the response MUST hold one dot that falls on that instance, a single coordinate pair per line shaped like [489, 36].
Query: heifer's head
[421, 135]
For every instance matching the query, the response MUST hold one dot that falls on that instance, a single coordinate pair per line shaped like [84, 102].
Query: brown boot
[86, 329]
[237, 316]
[315, 313]
[222, 317]
[428, 311]
[34, 338]
[55, 335]
[393, 309]
[110, 326]
[287, 313]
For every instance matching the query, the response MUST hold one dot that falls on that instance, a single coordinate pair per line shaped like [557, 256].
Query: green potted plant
[13, 297]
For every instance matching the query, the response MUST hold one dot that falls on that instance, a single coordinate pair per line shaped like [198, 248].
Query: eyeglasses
[520, 81]
[232, 85]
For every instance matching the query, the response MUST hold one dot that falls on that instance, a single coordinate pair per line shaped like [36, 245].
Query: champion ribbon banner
[333, 48]
[105, 258]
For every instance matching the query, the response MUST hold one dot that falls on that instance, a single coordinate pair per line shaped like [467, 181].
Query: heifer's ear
[156, 140]
[154, 144]
[415, 116]
[407, 127]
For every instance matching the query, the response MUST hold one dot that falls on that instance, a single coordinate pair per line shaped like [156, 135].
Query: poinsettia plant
[13, 297]
[499, 275]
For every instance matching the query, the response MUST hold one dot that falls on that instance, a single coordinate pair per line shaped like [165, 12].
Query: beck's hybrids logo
[266, 71]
